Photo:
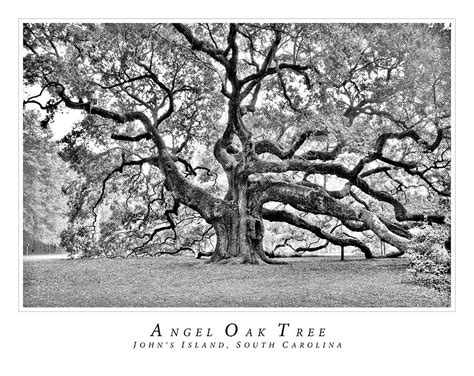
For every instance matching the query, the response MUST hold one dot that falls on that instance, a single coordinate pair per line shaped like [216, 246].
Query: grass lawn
[178, 281]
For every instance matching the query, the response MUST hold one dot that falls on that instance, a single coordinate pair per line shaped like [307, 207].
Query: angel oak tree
[308, 122]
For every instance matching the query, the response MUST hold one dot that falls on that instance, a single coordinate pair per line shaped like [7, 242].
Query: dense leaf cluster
[430, 258]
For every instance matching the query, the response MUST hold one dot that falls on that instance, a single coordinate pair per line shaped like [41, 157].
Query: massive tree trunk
[240, 229]
[239, 237]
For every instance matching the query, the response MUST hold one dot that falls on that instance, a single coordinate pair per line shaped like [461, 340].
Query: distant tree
[228, 125]
[45, 175]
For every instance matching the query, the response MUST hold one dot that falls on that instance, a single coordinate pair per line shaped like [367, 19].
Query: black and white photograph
[237, 164]
[261, 188]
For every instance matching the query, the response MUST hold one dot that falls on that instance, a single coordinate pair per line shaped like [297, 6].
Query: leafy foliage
[348, 123]
[430, 258]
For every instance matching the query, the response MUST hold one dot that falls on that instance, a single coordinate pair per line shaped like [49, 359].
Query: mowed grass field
[179, 281]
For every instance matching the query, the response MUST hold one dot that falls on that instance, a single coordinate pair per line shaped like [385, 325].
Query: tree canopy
[194, 136]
